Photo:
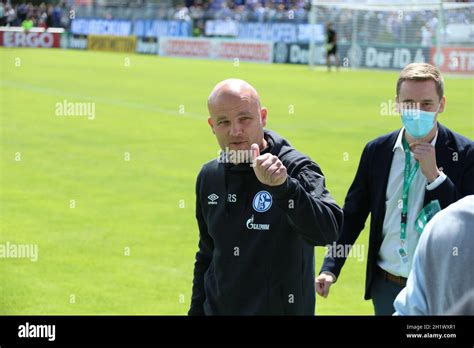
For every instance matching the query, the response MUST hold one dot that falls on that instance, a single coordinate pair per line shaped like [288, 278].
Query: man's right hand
[323, 283]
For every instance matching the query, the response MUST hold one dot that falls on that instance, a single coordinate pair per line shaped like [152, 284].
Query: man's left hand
[425, 154]
[268, 168]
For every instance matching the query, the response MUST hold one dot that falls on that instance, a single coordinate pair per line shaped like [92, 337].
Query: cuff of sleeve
[281, 191]
[439, 180]
[331, 274]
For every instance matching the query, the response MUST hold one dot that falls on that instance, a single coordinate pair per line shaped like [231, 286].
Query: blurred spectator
[426, 35]
[11, 16]
[28, 23]
[403, 27]
[182, 13]
[3, 18]
[56, 16]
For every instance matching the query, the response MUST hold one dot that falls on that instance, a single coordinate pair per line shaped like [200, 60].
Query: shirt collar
[398, 143]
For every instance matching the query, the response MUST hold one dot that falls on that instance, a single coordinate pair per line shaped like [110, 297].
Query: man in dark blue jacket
[261, 207]
[402, 179]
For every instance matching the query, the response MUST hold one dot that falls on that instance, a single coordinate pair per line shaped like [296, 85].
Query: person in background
[27, 24]
[442, 267]
[401, 177]
[3, 18]
[331, 46]
[11, 16]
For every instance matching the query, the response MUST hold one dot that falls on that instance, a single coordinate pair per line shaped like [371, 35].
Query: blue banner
[363, 56]
[140, 28]
[158, 28]
[84, 26]
[285, 32]
[281, 32]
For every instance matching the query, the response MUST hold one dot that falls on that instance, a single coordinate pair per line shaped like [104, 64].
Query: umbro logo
[212, 199]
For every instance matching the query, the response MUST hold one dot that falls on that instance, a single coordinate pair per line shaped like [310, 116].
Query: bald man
[261, 208]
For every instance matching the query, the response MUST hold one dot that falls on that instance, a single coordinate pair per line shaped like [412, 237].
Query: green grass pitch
[128, 245]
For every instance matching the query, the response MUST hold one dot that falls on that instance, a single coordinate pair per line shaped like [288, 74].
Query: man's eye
[222, 122]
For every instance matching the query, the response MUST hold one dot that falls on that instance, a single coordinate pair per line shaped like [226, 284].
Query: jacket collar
[398, 142]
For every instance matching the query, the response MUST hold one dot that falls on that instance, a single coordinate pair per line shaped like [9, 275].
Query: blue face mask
[418, 123]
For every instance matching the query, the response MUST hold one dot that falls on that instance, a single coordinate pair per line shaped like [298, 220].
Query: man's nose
[235, 129]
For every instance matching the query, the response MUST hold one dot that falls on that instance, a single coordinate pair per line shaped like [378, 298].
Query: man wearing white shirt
[389, 260]
[403, 178]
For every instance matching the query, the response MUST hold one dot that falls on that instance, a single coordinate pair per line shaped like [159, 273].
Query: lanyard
[408, 176]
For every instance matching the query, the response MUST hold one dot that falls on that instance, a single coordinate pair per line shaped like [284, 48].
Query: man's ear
[263, 116]
[210, 122]
[442, 104]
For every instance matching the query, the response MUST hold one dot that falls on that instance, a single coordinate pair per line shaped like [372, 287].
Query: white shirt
[389, 258]
[426, 36]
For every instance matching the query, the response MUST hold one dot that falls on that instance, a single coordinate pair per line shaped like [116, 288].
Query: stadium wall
[148, 38]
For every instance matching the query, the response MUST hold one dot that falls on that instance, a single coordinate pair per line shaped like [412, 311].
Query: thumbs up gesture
[268, 168]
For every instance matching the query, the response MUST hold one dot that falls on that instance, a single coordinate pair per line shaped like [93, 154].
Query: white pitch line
[110, 101]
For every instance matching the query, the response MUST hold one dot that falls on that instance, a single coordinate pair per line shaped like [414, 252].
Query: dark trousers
[383, 294]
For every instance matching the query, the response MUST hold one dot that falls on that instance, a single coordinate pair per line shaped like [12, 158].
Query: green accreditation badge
[403, 255]
[426, 214]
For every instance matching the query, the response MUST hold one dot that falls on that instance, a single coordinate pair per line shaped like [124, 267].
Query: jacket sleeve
[311, 210]
[356, 210]
[447, 192]
[203, 258]
[412, 300]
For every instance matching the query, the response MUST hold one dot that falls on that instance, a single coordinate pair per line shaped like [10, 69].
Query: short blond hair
[422, 72]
